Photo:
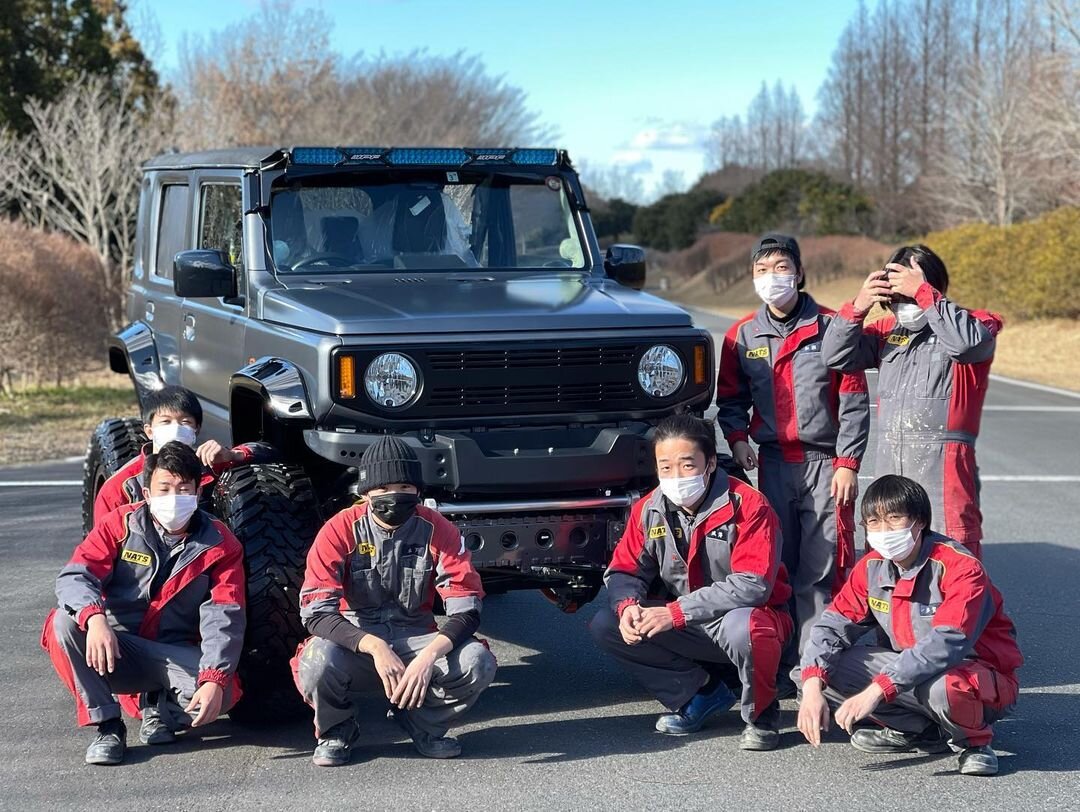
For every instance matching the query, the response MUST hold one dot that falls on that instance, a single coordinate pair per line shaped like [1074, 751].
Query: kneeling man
[367, 599]
[151, 605]
[944, 671]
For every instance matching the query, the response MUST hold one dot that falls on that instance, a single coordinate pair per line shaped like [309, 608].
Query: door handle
[189, 327]
[149, 311]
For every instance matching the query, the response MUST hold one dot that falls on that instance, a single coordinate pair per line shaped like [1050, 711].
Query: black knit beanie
[388, 461]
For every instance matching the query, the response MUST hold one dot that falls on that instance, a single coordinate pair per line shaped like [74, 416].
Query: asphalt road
[562, 727]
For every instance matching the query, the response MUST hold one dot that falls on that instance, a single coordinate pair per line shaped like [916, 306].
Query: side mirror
[626, 265]
[203, 275]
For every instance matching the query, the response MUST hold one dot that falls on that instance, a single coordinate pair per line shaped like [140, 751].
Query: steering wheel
[332, 260]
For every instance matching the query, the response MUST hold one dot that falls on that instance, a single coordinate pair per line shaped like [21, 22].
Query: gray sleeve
[633, 566]
[738, 590]
[847, 346]
[829, 638]
[853, 417]
[964, 336]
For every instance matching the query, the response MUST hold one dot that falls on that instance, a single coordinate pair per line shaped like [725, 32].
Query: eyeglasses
[893, 521]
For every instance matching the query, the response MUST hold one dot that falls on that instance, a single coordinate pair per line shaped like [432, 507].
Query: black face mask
[394, 509]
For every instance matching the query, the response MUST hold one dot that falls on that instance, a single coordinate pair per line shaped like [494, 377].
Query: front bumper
[512, 462]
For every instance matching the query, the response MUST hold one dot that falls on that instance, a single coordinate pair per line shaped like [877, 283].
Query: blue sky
[633, 83]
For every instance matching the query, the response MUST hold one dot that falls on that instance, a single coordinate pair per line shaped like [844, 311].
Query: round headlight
[660, 371]
[391, 380]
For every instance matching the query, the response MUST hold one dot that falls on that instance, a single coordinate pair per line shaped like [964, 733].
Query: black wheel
[273, 512]
[114, 443]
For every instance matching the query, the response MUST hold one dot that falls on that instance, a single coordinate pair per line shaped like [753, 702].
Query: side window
[221, 221]
[172, 220]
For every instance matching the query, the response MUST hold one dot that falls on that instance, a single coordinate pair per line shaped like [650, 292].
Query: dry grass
[44, 424]
[1045, 351]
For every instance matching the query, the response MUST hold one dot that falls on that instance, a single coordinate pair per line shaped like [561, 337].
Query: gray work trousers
[332, 679]
[670, 668]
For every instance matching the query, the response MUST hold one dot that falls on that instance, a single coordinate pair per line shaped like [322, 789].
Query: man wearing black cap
[810, 424]
[367, 598]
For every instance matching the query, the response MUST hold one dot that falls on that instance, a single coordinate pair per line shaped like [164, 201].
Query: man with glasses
[944, 669]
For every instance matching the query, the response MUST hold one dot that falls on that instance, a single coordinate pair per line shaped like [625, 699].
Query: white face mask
[168, 432]
[910, 316]
[685, 490]
[895, 545]
[173, 510]
[777, 289]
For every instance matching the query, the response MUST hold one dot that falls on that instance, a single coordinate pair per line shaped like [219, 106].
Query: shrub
[672, 222]
[1023, 270]
[801, 202]
[54, 322]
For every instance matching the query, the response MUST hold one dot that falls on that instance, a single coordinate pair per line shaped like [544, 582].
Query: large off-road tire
[273, 511]
[115, 442]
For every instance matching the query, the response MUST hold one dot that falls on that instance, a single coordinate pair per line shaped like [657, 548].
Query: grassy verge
[1045, 351]
[44, 424]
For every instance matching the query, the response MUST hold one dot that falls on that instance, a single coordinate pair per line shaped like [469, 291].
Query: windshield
[426, 221]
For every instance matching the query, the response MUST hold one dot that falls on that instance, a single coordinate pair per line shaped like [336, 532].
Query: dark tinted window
[172, 223]
[220, 221]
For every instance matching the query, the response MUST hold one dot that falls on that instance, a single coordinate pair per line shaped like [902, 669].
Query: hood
[464, 303]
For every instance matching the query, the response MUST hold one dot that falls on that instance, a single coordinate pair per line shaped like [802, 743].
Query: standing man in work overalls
[934, 359]
[810, 423]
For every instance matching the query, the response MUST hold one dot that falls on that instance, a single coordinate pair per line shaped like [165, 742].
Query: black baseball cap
[776, 242]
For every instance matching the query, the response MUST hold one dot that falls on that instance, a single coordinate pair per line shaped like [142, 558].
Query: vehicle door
[169, 225]
[212, 344]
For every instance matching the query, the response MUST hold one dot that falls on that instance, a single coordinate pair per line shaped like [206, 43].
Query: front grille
[536, 397]
[532, 358]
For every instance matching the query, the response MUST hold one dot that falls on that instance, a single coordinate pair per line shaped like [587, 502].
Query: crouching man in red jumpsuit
[151, 603]
[713, 545]
[933, 359]
[367, 598]
[948, 652]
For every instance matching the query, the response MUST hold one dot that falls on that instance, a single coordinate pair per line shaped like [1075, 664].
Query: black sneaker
[334, 747]
[979, 761]
[755, 737]
[153, 729]
[887, 740]
[110, 744]
[425, 743]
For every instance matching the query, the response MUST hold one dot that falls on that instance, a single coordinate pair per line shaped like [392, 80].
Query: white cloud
[674, 136]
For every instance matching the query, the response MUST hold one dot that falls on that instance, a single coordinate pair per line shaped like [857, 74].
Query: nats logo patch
[760, 352]
[142, 559]
[365, 548]
[898, 341]
[878, 605]
[657, 532]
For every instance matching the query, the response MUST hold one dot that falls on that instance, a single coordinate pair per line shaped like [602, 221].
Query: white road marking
[42, 483]
[1021, 408]
[79, 458]
[1014, 478]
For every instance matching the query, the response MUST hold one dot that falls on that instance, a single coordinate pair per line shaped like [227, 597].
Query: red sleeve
[227, 575]
[851, 600]
[756, 549]
[325, 571]
[112, 494]
[733, 397]
[627, 552]
[451, 557]
[993, 321]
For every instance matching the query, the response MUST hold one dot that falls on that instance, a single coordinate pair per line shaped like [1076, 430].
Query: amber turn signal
[699, 365]
[346, 376]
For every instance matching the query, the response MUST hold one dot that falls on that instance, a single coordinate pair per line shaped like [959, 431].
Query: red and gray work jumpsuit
[177, 609]
[725, 586]
[808, 421]
[931, 388]
[364, 579]
[947, 651]
[125, 486]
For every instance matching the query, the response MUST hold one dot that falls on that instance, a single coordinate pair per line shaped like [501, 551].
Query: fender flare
[133, 351]
[278, 385]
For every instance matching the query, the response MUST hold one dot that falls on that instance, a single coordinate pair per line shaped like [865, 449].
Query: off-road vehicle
[315, 298]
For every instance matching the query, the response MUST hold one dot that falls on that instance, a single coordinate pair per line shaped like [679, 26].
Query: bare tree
[77, 172]
[616, 181]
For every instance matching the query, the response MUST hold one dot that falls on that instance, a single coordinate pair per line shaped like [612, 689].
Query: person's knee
[733, 632]
[321, 659]
[479, 665]
[66, 630]
[604, 628]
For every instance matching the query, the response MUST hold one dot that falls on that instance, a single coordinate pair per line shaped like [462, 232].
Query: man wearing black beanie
[371, 579]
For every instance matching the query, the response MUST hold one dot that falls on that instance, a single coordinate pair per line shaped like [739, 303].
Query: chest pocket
[367, 588]
[415, 576]
[894, 361]
[717, 559]
[933, 372]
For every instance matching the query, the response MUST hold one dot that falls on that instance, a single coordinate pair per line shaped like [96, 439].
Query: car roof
[235, 157]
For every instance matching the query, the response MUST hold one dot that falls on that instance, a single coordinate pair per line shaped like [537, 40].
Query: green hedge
[1026, 270]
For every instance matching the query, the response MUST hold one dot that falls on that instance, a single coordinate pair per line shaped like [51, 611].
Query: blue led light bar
[402, 156]
[535, 157]
[421, 156]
